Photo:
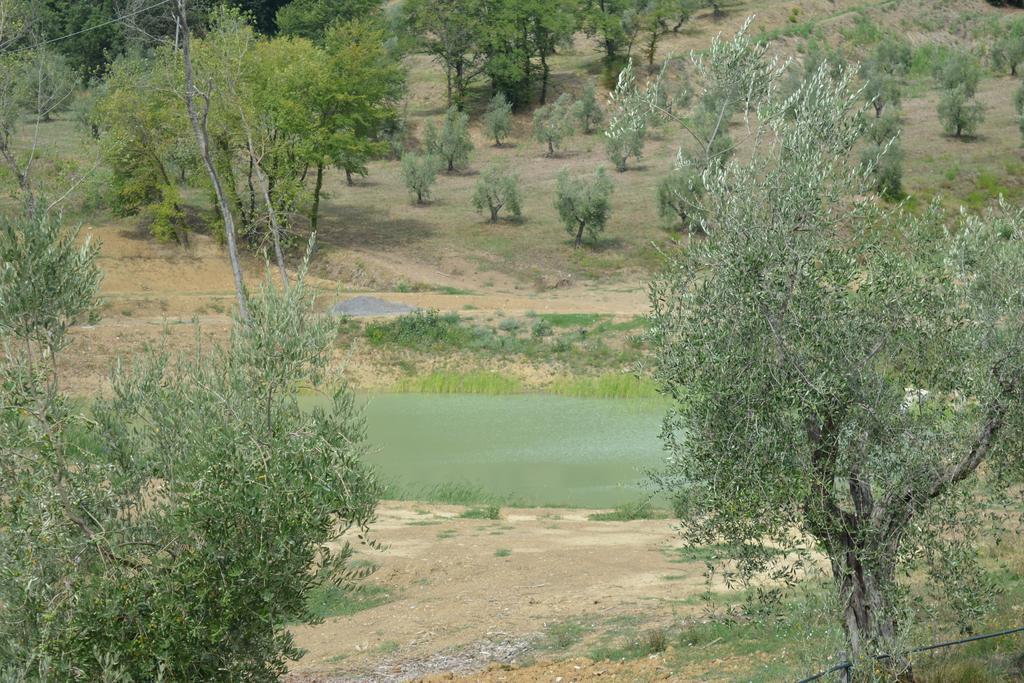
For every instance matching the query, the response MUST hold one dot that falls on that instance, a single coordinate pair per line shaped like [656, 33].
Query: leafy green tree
[94, 36]
[174, 531]
[587, 110]
[310, 19]
[450, 143]
[450, 31]
[788, 339]
[369, 81]
[47, 84]
[583, 204]
[553, 123]
[627, 123]
[680, 195]
[958, 77]
[419, 171]
[608, 20]
[497, 189]
[142, 134]
[654, 18]
[498, 118]
[519, 37]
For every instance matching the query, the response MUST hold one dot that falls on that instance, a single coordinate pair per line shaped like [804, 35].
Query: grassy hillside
[445, 255]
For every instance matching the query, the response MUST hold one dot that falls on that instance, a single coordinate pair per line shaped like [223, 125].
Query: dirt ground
[473, 595]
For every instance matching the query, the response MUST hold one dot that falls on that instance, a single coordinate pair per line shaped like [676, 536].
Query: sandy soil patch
[467, 591]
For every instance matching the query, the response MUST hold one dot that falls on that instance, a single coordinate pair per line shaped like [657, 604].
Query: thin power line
[84, 30]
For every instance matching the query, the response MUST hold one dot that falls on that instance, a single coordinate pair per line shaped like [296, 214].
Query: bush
[419, 329]
[174, 532]
[488, 512]
[541, 328]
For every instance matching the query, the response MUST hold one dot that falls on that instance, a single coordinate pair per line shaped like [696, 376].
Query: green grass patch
[333, 601]
[610, 385]
[502, 552]
[570, 319]
[565, 634]
[629, 512]
[487, 512]
[487, 383]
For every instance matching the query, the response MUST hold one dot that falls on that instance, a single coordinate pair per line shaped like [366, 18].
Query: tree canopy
[788, 340]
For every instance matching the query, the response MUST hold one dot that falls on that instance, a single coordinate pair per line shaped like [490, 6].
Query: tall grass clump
[612, 385]
[486, 383]
[448, 493]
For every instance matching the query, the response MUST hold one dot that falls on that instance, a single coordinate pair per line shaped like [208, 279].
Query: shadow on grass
[372, 228]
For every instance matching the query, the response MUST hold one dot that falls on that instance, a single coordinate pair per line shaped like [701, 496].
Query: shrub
[174, 532]
[419, 329]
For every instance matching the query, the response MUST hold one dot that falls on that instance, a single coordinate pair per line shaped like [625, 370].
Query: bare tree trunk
[314, 213]
[348, 178]
[203, 140]
[275, 227]
[579, 237]
[544, 77]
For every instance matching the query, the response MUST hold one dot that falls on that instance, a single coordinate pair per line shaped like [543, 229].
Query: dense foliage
[173, 531]
[788, 339]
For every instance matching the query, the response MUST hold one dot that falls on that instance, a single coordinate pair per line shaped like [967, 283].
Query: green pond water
[530, 449]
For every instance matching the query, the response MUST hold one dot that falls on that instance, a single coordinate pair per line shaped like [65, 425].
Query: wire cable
[84, 30]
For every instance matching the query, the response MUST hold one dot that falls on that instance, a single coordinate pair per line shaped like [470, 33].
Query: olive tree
[587, 110]
[882, 156]
[553, 123]
[958, 76]
[627, 123]
[882, 74]
[498, 118]
[451, 142]
[497, 189]
[419, 171]
[787, 340]
[679, 197]
[583, 204]
[173, 531]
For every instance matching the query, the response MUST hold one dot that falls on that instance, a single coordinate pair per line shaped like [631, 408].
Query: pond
[531, 449]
